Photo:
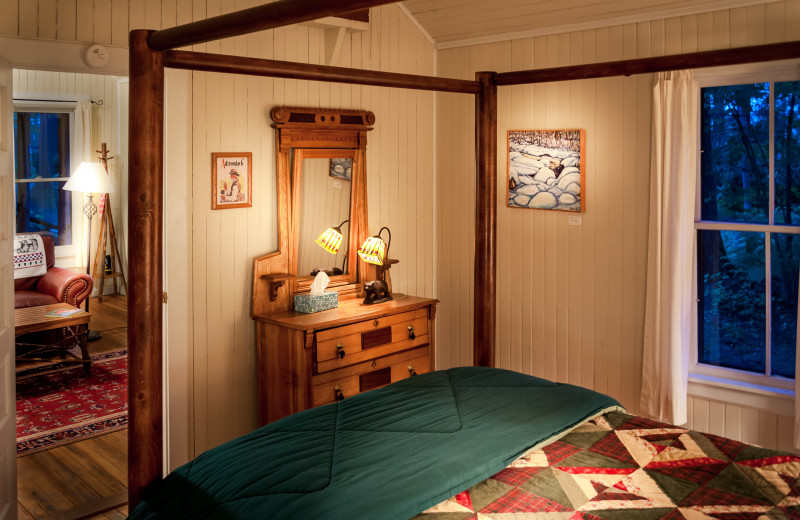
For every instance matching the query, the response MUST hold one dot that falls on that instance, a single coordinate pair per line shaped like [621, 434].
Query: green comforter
[385, 454]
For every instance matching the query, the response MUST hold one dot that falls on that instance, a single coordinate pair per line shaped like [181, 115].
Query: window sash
[27, 102]
[735, 76]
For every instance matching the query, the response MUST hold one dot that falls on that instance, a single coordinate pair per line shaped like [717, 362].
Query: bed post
[485, 221]
[145, 194]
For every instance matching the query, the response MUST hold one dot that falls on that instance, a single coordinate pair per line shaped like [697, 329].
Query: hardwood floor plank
[89, 470]
[23, 513]
[89, 509]
[65, 479]
[102, 452]
[34, 491]
[79, 479]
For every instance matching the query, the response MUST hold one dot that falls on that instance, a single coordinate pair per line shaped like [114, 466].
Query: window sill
[776, 400]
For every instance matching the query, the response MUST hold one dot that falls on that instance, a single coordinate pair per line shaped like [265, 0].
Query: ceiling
[454, 23]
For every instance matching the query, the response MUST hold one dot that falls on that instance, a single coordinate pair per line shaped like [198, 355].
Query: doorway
[80, 467]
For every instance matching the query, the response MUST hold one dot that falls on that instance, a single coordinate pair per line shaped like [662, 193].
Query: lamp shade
[373, 250]
[330, 240]
[90, 177]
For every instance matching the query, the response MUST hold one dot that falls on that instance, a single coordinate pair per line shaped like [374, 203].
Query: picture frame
[342, 168]
[546, 169]
[231, 180]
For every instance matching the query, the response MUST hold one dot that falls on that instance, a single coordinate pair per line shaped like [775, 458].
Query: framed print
[231, 180]
[547, 169]
[342, 168]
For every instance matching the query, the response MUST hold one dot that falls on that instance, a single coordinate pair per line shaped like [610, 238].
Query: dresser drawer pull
[411, 333]
[412, 371]
[337, 390]
[376, 323]
[340, 350]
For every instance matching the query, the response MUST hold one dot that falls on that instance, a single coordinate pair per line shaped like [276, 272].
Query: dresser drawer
[352, 344]
[368, 375]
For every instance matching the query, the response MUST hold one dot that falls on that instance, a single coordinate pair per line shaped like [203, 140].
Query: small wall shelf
[276, 281]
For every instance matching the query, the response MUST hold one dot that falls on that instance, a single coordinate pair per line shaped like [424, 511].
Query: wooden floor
[79, 479]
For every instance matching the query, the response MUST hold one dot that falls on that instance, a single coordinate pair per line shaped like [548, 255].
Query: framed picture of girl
[231, 180]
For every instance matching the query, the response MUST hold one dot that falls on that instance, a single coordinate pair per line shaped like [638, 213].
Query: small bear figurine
[376, 292]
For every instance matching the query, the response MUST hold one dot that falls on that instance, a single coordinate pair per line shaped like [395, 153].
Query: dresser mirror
[325, 186]
[315, 148]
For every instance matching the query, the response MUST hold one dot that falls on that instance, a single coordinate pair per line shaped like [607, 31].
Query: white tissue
[319, 284]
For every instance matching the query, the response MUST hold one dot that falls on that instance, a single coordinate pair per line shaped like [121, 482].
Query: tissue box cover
[316, 302]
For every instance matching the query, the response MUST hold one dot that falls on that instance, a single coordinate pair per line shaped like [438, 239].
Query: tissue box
[316, 302]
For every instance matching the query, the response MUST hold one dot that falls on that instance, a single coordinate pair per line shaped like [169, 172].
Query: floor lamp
[90, 178]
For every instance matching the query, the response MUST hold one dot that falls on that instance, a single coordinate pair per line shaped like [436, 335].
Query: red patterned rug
[59, 408]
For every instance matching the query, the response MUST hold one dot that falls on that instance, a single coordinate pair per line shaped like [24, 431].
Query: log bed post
[145, 194]
[485, 221]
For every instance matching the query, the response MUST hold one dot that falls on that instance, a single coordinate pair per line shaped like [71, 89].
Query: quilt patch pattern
[621, 466]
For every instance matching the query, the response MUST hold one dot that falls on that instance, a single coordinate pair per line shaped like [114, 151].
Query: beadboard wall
[105, 129]
[570, 295]
[231, 113]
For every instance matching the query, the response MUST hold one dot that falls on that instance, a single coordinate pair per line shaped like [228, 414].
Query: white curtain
[81, 151]
[797, 381]
[668, 305]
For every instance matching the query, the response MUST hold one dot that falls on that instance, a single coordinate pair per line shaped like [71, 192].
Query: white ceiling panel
[452, 23]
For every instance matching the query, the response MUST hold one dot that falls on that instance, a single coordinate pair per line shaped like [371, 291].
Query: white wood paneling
[105, 129]
[225, 242]
[232, 113]
[469, 22]
[8, 467]
[570, 299]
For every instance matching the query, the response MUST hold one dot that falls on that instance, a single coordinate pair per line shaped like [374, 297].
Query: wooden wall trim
[259, 18]
[693, 60]
[145, 266]
[287, 69]
[484, 323]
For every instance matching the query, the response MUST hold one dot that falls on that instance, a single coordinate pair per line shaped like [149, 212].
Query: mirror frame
[309, 131]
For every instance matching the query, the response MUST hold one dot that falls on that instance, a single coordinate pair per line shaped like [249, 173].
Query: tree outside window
[748, 233]
[42, 166]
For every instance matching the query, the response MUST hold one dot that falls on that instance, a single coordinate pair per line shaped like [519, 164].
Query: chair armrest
[65, 285]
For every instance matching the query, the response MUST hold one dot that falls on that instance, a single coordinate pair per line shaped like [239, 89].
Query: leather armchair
[55, 286]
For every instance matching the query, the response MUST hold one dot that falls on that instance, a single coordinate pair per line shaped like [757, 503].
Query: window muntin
[41, 167]
[748, 252]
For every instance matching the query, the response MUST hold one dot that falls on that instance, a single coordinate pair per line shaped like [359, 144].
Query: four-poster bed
[151, 52]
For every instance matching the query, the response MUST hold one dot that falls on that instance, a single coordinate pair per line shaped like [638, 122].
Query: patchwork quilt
[620, 466]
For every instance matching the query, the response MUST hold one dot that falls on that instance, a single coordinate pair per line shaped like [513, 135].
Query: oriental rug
[59, 408]
[620, 466]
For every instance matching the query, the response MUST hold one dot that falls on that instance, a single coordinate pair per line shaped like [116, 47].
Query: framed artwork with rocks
[546, 169]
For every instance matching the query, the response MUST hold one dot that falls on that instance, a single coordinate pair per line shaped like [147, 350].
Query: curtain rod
[99, 102]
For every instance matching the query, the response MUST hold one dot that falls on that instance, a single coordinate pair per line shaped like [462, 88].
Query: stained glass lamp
[331, 238]
[374, 250]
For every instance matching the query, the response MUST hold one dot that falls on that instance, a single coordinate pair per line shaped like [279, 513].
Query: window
[748, 232]
[41, 167]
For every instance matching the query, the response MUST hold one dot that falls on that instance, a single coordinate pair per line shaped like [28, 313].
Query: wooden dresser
[308, 360]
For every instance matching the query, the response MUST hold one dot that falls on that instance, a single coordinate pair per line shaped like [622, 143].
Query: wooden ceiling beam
[285, 69]
[693, 60]
[259, 18]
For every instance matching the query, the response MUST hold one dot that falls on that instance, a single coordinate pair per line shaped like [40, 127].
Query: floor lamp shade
[90, 177]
